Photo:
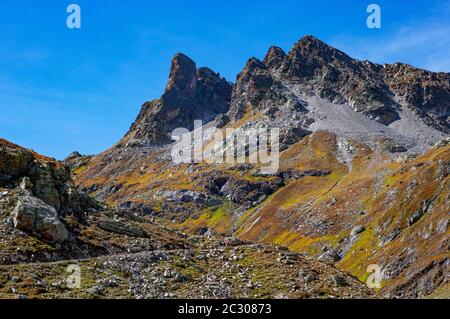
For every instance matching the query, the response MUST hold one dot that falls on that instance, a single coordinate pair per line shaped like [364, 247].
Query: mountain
[316, 87]
[362, 180]
[364, 162]
[378, 91]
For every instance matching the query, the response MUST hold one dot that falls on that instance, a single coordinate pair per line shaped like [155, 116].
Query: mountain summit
[282, 85]
[380, 92]
[191, 94]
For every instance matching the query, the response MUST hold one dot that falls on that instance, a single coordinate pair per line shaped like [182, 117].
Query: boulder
[339, 280]
[357, 230]
[33, 216]
[330, 256]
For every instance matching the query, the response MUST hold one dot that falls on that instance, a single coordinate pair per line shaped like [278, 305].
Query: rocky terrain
[47, 226]
[242, 271]
[363, 180]
[191, 94]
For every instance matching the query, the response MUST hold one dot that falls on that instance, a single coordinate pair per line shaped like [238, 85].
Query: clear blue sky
[63, 90]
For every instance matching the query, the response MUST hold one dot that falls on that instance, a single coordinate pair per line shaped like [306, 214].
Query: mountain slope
[123, 253]
[381, 212]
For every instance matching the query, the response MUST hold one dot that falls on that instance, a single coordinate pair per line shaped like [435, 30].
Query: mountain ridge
[379, 92]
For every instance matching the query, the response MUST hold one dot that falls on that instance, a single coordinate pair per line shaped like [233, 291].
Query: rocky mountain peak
[280, 86]
[309, 41]
[310, 54]
[182, 72]
[252, 67]
[309, 47]
[191, 94]
[254, 64]
[274, 57]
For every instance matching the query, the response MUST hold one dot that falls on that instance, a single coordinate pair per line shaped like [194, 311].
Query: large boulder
[35, 217]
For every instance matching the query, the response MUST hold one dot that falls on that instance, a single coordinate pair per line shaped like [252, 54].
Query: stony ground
[123, 255]
[335, 198]
[241, 271]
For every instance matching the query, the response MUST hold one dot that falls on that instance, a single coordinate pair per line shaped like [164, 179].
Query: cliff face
[425, 92]
[191, 94]
[45, 178]
[315, 68]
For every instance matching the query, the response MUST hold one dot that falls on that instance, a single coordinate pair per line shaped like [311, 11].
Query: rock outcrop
[44, 193]
[315, 68]
[46, 179]
[191, 94]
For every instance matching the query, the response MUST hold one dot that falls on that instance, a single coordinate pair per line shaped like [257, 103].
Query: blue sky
[63, 90]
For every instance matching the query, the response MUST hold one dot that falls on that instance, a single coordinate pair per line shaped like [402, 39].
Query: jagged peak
[254, 64]
[73, 155]
[191, 93]
[310, 39]
[207, 73]
[312, 45]
[274, 56]
[182, 58]
[182, 71]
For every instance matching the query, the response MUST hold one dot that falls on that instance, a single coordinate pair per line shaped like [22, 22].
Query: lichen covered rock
[33, 216]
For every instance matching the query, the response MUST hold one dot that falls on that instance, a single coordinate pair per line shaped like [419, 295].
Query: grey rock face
[331, 74]
[259, 90]
[274, 57]
[426, 93]
[43, 178]
[241, 192]
[330, 256]
[33, 216]
[191, 94]
[316, 69]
